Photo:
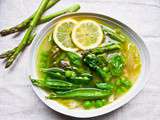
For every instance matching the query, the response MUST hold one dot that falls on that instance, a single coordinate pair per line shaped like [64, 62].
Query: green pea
[73, 75]
[88, 104]
[123, 89]
[120, 90]
[104, 101]
[106, 69]
[126, 83]
[70, 74]
[105, 86]
[99, 103]
[85, 78]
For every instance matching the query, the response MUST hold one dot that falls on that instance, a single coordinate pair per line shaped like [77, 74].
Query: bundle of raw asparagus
[29, 25]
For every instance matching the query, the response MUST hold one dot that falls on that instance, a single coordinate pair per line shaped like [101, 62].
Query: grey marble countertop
[17, 99]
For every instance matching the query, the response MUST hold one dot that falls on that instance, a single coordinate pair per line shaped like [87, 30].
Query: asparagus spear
[72, 8]
[28, 43]
[101, 50]
[114, 34]
[28, 33]
[44, 19]
[8, 53]
[26, 22]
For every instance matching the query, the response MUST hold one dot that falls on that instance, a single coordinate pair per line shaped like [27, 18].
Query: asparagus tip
[2, 56]
[2, 33]
[8, 64]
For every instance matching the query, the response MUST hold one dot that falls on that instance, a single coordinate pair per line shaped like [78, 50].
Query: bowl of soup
[86, 64]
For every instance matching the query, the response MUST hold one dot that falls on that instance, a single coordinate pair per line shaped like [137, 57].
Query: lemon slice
[62, 34]
[87, 34]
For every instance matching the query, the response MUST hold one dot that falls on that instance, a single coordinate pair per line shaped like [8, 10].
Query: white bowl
[80, 113]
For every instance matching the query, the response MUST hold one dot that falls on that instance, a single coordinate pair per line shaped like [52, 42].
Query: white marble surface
[17, 100]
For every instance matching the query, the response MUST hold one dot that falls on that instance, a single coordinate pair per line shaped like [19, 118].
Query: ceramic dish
[80, 113]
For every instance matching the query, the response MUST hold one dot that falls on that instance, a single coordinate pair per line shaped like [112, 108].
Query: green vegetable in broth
[116, 64]
[122, 85]
[106, 76]
[59, 57]
[105, 86]
[104, 49]
[74, 59]
[103, 61]
[99, 103]
[68, 75]
[93, 62]
[82, 93]
[114, 34]
[54, 84]
[88, 104]
[53, 70]
[82, 78]
[89, 77]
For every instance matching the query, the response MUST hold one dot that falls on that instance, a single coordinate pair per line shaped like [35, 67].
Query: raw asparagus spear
[72, 8]
[28, 33]
[26, 22]
[8, 53]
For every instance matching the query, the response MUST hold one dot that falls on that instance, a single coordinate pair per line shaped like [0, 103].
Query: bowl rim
[108, 108]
